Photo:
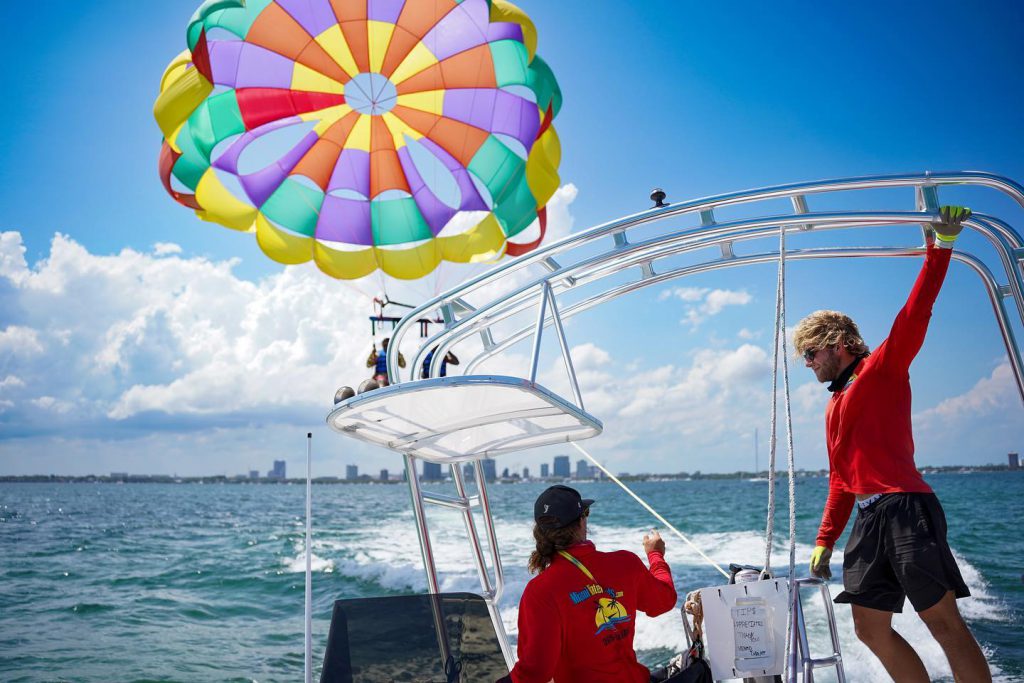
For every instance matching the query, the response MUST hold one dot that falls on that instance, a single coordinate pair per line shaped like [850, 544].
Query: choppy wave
[397, 567]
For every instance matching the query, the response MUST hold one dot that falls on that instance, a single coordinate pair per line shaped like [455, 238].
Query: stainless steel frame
[800, 659]
[572, 262]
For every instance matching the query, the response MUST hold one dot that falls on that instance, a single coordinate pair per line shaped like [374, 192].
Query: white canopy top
[451, 419]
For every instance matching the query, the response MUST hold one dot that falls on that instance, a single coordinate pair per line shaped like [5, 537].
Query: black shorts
[898, 549]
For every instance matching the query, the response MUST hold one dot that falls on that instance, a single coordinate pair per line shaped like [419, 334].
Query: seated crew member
[448, 358]
[577, 616]
[898, 547]
[379, 363]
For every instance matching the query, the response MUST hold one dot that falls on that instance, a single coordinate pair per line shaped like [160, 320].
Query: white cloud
[17, 340]
[134, 333]
[986, 419]
[12, 257]
[52, 404]
[166, 248]
[705, 302]
[11, 381]
[989, 394]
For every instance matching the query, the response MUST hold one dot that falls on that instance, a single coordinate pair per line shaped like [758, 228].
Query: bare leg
[965, 656]
[874, 629]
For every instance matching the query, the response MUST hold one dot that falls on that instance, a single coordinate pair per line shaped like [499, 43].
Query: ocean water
[147, 582]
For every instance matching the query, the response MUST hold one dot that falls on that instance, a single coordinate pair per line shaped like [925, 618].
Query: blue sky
[699, 98]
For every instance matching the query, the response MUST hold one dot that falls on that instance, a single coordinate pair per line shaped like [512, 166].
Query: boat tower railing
[590, 257]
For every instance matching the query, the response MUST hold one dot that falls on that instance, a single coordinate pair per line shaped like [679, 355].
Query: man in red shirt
[577, 616]
[898, 547]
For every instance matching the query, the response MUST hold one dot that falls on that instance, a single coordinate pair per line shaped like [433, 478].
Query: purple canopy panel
[345, 220]
[504, 31]
[260, 68]
[228, 161]
[260, 185]
[314, 17]
[474, 106]
[352, 172]
[495, 111]
[435, 212]
[224, 55]
[517, 117]
[462, 28]
[471, 199]
[384, 10]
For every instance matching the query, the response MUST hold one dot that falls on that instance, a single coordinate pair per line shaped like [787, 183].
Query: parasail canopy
[364, 134]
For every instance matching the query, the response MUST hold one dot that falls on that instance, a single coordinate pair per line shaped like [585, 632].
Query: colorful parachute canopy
[364, 134]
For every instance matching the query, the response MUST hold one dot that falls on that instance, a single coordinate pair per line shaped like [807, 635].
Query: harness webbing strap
[579, 565]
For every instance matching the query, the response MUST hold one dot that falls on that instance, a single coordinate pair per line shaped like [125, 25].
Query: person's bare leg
[874, 629]
[963, 652]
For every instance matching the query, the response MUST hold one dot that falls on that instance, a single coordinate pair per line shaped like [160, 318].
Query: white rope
[654, 512]
[780, 345]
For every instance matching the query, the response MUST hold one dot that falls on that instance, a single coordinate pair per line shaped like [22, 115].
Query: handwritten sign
[752, 634]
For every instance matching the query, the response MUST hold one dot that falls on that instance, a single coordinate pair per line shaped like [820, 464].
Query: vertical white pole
[309, 557]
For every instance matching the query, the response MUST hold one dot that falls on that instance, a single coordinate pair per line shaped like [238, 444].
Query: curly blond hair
[828, 328]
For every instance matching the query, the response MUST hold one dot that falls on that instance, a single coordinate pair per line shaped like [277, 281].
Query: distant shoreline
[223, 479]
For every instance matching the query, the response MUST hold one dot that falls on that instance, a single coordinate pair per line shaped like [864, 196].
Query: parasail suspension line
[654, 512]
[780, 343]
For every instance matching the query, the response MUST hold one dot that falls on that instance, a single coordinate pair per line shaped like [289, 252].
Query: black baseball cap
[559, 506]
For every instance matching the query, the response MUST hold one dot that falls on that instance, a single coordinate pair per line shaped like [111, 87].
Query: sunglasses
[809, 354]
[586, 512]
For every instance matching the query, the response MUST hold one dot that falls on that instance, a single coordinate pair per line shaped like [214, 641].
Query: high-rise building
[254, 474]
[384, 475]
[526, 473]
[544, 470]
[468, 473]
[582, 469]
[490, 469]
[278, 472]
[351, 472]
[431, 471]
[562, 466]
[504, 473]
[1014, 460]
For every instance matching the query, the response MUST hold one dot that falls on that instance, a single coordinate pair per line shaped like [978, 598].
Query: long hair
[828, 328]
[549, 542]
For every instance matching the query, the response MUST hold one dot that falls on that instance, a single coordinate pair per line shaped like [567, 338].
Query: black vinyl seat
[418, 638]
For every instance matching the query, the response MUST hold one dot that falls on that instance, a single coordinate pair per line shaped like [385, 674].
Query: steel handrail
[979, 178]
[688, 240]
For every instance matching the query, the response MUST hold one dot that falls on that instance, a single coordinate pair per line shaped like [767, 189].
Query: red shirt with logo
[576, 629]
[867, 422]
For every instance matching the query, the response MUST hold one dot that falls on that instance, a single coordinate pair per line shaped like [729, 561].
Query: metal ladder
[491, 589]
[800, 658]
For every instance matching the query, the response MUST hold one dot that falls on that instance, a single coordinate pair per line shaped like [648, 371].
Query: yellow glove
[948, 229]
[820, 558]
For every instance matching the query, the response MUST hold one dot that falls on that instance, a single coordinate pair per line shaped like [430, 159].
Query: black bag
[697, 671]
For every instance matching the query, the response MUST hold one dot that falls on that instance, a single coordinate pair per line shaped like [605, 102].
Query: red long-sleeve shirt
[575, 629]
[867, 423]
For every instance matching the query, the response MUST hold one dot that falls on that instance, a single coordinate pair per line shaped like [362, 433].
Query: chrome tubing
[421, 523]
[566, 356]
[670, 245]
[1009, 340]
[474, 538]
[617, 228]
[633, 255]
[492, 538]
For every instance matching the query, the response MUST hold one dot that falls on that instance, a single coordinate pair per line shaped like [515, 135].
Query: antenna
[756, 470]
